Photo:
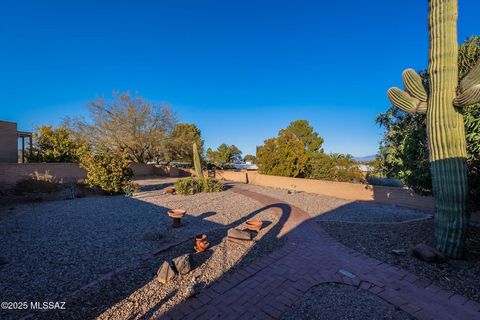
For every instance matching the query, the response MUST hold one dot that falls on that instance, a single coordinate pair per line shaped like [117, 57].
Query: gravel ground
[338, 301]
[325, 208]
[54, 248]
[461, 276]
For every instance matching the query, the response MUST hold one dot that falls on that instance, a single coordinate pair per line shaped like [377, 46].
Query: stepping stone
[166, 273]
[183, 264]
[239, 234]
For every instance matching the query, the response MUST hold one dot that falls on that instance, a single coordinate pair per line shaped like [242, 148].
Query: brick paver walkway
[269, 286]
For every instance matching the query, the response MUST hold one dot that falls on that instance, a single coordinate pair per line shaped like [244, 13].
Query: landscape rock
[239, 234]
[183, 264]
[398, 252]
[166, 273]
[426, 253]
[169, 190]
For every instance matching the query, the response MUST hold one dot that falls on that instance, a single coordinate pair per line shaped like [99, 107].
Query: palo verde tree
[442, 104]
[179, 146]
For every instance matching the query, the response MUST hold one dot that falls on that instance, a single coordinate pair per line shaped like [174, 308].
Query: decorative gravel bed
[54, 248]
[461, 276]
[339, 301]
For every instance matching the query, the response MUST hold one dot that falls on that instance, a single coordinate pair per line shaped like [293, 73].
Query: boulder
[239, 234]
[183, 264]
[426, 253]
[166, 273]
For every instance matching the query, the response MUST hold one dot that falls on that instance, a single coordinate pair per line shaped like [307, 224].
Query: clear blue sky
[240, 70]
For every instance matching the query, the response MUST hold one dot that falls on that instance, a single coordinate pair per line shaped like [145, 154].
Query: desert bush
[381, 181]
[345, 169]
[109, 172]
[211, 185]
[192, 185]
[31, 185]
[53, 145]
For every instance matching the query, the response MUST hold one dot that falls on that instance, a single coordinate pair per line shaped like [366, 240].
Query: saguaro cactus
[445, 128]
[196, 161]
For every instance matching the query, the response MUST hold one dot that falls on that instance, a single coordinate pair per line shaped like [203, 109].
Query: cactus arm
[196, 161]
[406, 102]
[413, 85]
[469, 97]
[471, 79]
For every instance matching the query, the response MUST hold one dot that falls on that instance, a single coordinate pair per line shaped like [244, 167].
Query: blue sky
[240, 70]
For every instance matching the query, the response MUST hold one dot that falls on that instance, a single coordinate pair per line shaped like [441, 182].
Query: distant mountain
[365, 158]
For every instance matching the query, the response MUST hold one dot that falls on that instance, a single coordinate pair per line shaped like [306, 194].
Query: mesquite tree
[443, 104]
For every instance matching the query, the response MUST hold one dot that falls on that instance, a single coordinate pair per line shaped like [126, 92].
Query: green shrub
[211, 185]
[130, 187]
[109, 172]
[188, 186]
[192, 185]
[381, 181]
[53, 145]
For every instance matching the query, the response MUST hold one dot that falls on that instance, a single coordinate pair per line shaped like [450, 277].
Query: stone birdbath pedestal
[176, 215]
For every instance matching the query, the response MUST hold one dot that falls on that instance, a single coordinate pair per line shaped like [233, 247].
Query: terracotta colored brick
[271, 311]
[473, 305]
[376, 290]
[422, 315]
[458, 299]
[423, 283]
[410, 308]
[365, 285]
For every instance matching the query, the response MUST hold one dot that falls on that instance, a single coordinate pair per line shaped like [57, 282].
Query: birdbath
[177, 216]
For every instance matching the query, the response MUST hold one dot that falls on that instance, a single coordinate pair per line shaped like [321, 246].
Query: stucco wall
[237, 176]
[10, 173]
[8, 142]
[351, 191]
[62, 172]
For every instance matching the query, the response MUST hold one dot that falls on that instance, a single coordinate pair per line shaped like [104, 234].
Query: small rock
[166, 273]
[169, 190]
[347, 273]
[427, 253]
[183, 264]
[239, 234]
[398, 252]
[190, 292]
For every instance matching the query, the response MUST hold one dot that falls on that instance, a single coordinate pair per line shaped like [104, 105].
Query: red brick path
[269, 286]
